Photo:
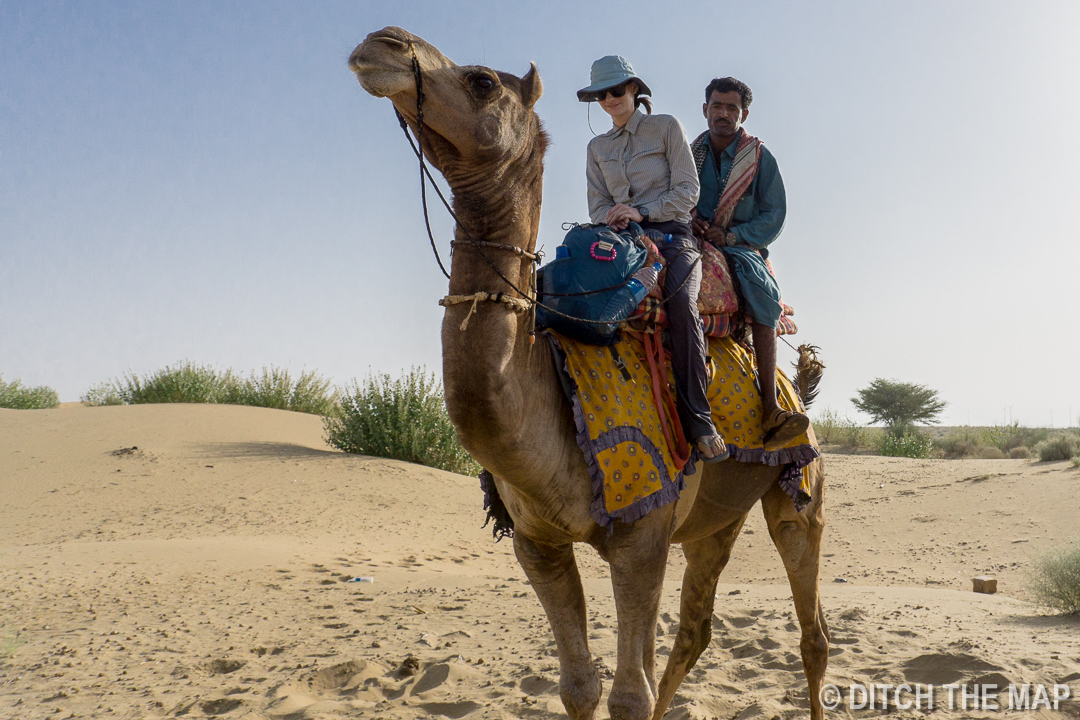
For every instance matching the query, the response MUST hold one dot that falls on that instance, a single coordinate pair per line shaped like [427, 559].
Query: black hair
[729, 84]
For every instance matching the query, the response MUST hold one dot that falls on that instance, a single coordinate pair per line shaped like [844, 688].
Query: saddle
[718, 301]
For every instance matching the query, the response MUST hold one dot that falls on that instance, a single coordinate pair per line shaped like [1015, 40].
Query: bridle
[527, 301]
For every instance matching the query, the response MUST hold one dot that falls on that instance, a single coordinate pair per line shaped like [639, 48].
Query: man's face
[725, 112]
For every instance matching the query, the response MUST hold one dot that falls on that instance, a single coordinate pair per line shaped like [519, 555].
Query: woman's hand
[621, 215]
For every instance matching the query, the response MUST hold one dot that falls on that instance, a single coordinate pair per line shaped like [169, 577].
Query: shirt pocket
[744, 210]
[614, 173]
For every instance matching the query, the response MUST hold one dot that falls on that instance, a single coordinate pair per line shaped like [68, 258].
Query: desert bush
[191, 383]
[832, 428]
[1076, 462]
[1054, 579]
[183, 383]
[1020, 453]
[105, 393]
[990, 442]
[909, 445]
[960, 442]
[16, 396]
[275, 388]
[1007, 437]
[404, 419]
[1058, 447]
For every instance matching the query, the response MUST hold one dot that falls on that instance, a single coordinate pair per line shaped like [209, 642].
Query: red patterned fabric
[717, 301]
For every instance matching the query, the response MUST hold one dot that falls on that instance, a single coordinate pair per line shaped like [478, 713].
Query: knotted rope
[515, 304]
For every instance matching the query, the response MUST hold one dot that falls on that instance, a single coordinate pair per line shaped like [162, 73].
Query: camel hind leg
[705, 560]
[553, 572]
[798, 538]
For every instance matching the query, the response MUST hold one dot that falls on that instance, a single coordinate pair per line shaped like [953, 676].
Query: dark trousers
[688, 349]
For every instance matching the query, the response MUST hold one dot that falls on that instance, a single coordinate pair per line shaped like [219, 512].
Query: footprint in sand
[220, 706]
[223, 666]
[944, 668]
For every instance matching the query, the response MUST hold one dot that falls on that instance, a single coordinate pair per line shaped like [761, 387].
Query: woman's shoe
[783, 427]
[712, 448]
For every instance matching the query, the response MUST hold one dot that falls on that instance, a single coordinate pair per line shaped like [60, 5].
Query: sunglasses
[616, 92]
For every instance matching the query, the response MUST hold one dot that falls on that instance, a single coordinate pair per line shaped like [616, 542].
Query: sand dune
[191, 560]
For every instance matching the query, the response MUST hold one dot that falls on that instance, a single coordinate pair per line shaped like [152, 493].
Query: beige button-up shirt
[646, 163]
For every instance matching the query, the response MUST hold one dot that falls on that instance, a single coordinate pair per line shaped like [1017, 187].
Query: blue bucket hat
[609, 72]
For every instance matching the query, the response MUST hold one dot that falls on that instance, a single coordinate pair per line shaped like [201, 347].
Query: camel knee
[815, 653]
[792, 540]
[691, 642]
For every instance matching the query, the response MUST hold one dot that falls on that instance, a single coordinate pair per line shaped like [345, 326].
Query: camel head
[473, 116]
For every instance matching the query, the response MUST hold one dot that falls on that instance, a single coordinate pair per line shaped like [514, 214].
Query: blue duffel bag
[591, 258]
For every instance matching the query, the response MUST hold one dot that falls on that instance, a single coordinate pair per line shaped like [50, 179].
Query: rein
[527, 302]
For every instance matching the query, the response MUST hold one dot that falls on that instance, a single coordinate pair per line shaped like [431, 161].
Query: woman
[642, 171]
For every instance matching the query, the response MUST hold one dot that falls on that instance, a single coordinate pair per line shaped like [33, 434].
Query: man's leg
[762, 297]
[765, 350]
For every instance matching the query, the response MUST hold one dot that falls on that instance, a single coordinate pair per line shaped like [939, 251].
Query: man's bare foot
[712, 448]
[782, 426]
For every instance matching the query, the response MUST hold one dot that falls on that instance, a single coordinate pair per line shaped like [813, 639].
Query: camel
[503, 396]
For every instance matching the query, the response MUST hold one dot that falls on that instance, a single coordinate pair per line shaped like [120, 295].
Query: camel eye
[482, 82]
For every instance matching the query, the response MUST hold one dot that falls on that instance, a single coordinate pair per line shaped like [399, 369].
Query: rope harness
[527, 301]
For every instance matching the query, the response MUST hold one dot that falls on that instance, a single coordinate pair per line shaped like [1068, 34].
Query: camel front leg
[705, 560]
[638, 557]
[798, 538]
[553, 572]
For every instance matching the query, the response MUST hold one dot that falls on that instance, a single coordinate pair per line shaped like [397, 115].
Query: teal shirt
[759, 216]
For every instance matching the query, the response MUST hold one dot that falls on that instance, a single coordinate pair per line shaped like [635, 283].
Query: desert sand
[192, 560]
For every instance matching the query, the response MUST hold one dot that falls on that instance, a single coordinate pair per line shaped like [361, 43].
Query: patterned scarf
[743, 169]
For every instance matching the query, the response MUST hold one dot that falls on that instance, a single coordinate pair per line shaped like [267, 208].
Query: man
[741, 209]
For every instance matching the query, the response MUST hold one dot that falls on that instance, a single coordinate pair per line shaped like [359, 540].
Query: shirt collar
[631, 125]
[731, 149]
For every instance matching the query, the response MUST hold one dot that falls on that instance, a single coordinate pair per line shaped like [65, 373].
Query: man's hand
[699, 226]
[716, 235]
[621, 215]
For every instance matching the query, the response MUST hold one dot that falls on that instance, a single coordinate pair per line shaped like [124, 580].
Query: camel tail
[496, 510]
[808, 372]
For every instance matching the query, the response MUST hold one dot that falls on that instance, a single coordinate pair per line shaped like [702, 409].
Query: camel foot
[580, 694]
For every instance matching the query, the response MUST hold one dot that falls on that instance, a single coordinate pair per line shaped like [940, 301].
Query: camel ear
[531, 87]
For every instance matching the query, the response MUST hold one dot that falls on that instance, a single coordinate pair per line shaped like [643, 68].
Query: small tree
[899, 405]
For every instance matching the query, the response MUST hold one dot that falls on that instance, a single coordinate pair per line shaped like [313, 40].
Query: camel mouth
[387, 37]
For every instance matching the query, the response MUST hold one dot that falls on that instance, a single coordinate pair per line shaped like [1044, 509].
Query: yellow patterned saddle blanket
[621, 429]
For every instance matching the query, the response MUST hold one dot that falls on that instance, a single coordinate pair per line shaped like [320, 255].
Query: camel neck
[486, 366]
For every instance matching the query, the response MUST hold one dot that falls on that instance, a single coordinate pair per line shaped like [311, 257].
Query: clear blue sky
[206, 180]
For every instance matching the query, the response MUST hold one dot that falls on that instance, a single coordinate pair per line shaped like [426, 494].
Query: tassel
[808, 372]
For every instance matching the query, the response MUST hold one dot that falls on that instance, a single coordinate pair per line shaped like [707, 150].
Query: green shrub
[832, 428]
[404, 419]
[990, 442]
[1076, 462]
[1058, 447]
[184, 383]
[1020, 453]
[275, 388]
[15, 396]
[191, 383]
[105, 393]
[1054, 579]
[909, 445]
